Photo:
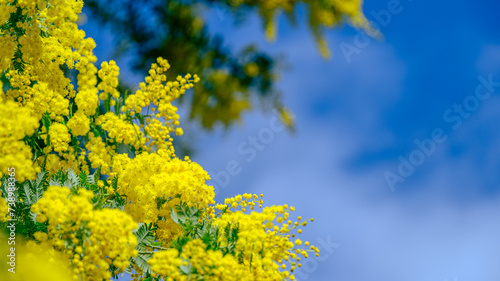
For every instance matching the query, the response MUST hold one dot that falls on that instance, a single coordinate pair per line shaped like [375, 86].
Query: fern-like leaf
[72, 180]
[141, 260]
[145, 237]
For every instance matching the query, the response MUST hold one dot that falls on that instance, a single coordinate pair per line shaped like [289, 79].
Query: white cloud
[489, 59]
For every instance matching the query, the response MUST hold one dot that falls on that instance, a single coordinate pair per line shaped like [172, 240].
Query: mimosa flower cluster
[207, 264]
[267, 238]
[92, 240]
[245, 246]
[154, 183]
[96, 211]
[48, 51]
[16, 124]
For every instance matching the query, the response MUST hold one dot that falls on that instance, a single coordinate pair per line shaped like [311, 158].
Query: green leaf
[95, 131]
[72, 180]
[187, 269]
[107, 105]
[84, 179]
[141, 118]
[173, 215]
[141, 260]
[118, 105]
[46, 121]
[145, 236]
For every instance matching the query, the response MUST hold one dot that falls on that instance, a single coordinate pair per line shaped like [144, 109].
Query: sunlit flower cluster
[109, 80]
[154, 183]
[92, 240]
[266, 239]
[16, 122]
[266, 247]
[39, 39]
[42, 99]
[156, 94]
[50, 71]
[206, 264]
[121, 130]
[79, 124]
[59, 137]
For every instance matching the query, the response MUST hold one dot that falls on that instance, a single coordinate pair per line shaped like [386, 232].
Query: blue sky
[360, 118]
